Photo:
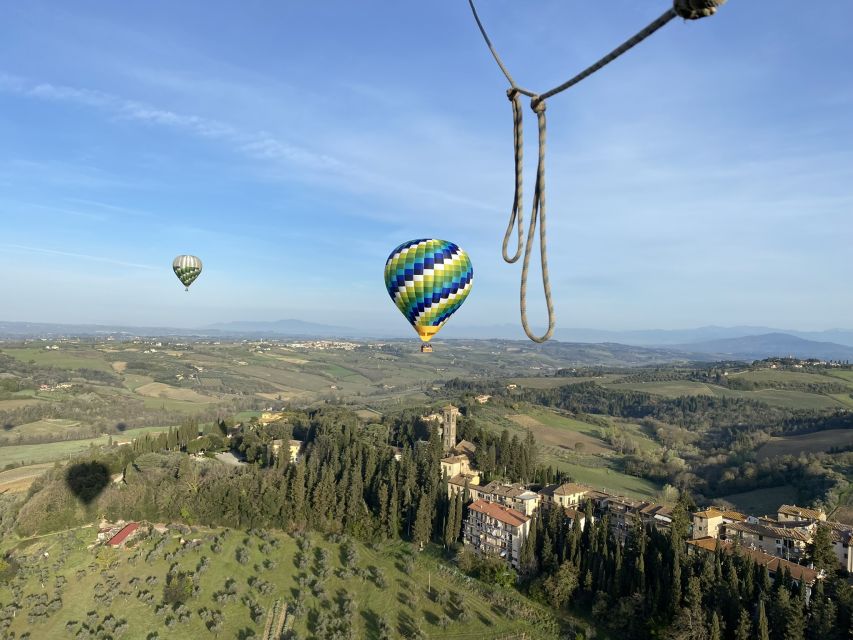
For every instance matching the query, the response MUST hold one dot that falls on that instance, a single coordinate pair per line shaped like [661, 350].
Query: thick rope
[610, 57]
[518, 200]
[686, 9]
[538, 212]
[495, 53]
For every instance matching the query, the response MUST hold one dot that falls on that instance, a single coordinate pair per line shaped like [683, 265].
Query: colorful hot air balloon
[187, 268]
[428, 280]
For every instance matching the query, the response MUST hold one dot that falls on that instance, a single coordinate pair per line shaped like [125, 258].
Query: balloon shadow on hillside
[87, 480]
[8, 426]
[121, 426]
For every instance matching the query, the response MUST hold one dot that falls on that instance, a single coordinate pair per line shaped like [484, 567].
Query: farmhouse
[124, 535]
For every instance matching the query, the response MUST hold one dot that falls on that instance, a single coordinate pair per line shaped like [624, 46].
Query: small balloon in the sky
[428, 280]
[187, 268]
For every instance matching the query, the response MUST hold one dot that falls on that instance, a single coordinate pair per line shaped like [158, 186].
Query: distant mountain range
[769, 344]
[703, 343]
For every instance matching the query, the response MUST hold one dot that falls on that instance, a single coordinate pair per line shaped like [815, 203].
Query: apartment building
[513, 496]
[494, 529]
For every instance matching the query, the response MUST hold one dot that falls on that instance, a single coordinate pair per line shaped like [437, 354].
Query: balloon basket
[426, 348]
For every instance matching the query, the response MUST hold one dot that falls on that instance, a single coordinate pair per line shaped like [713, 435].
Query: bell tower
[448, 431]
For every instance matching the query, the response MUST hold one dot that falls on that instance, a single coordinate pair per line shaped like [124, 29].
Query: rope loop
[516, 217]
[537, 215]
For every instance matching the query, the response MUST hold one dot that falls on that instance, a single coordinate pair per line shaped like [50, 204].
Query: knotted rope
[687, 9]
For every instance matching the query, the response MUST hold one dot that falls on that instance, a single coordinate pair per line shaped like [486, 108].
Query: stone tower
[448, 431]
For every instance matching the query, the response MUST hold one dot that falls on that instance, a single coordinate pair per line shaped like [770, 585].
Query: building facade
[513, 496]
[493, 529]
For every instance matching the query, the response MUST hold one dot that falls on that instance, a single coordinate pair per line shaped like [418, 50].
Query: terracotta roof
[454, 459]
[790, 533]
[842, 533]
[461, 478]
[657, 511]
[801, 512]
[574, 514]
[798, 572]
[122, 535]
[733, 515]
[707, 514]
[507, 490]
[499, 512]
[464, 446]
[570, 488]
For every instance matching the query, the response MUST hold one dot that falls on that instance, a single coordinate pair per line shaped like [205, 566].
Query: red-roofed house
[121, 537]
[494, 529]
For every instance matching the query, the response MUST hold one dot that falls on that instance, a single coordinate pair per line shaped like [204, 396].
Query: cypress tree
[382, 500]
[763, 631]
[743, 631]
[458, 514]
[714, 630]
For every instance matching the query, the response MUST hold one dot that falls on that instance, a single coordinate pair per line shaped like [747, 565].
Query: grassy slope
[39, 453]
[788, 398]
[762, 501]
[594, 470]
[371, 601]
[809, 443]
[68, 357]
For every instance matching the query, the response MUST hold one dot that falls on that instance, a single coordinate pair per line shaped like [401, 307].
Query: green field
[809, 443]
[20, 479]
[51, 451]
[405, 600]
[557, 436]
[788, 398]
[669, 389]
[552, 382]
[67, 357]
[52, 427]
[780, 376]
[762, 501]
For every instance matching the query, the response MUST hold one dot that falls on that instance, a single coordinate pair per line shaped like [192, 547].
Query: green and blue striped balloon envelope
[428, 280]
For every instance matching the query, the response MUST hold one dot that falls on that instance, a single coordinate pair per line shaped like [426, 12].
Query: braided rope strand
[518, 200]
[538, 214]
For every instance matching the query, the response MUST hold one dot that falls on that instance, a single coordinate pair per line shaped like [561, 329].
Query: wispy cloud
[259, 144]
[357, 171]
[81, 256]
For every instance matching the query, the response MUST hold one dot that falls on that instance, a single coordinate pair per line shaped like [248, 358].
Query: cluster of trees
[650, 586]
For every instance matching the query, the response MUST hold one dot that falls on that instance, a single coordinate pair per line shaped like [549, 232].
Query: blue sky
[704, 178]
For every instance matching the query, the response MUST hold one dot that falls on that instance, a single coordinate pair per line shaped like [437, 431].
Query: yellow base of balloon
[427, 333]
